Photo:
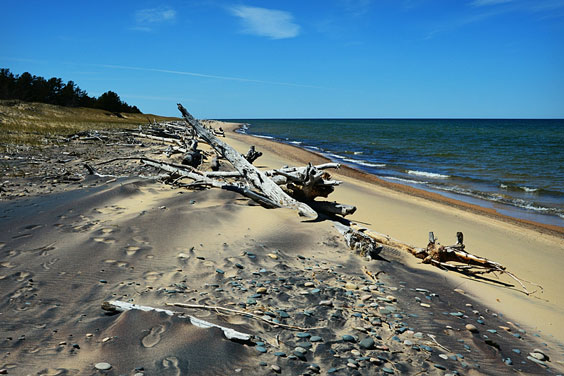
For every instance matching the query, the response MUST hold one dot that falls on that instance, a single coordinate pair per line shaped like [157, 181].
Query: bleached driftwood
[453, 258]
[255, 177]
[119, 306]
[238, 312]
[200, 179]
[333, 208]
[158, 138]
[358, 241]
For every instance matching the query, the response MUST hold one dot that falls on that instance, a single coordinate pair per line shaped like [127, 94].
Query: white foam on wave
[403, 180]
[428, 174]
[296, 142]
[260, 136]
[527, 189]
[364, 163]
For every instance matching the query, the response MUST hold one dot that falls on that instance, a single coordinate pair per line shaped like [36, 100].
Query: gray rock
[103, 366]
[367, 343]
[276, 368]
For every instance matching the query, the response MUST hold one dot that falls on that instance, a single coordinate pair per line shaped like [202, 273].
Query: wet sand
[63, 254]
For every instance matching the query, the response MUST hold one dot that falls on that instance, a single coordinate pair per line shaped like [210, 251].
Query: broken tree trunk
[252, 155]
[258, 179]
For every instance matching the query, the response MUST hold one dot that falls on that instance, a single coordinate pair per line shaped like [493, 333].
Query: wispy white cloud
[155, 15]
[146, 19]
[357, 7]
[271, 23]
[194, 74]
[481, 3]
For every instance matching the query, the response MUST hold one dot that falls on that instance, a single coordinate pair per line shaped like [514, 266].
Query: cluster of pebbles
[359, 324]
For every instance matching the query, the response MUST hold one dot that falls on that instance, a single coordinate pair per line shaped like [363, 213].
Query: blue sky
[284, 59]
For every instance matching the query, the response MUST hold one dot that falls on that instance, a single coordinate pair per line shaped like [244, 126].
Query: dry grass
[24, 123]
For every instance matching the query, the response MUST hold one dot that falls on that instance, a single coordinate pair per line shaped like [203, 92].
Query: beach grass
[24, 123]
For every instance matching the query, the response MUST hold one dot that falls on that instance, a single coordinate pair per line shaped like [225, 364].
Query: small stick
[243, 313]
[438, 344]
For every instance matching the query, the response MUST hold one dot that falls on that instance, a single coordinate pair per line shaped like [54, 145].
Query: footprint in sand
[20, 276]
[131, 250]
[171, 363]
[47, 264]
[107, 230]
[104, 240]
[152, 276]
[154, 336]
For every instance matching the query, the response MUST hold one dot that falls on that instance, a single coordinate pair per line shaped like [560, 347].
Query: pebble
[538, 355]
[367, 343]
[439, 366]
[443, 356]
[425, 305]
[471, 328]
[103, 366]
[283, 314]
[219, 271]
[315, 339]
[273, 256]
[261, 349]
[349, 338]
[3, 371]
[276, 368]
[309, 284]
[239, 266]
[539, 351]
[352, 365]
[387, 370]
[365, 297]
[351, 286]
[391, 298]
[280, 353]
[327, 303]
[261, 290]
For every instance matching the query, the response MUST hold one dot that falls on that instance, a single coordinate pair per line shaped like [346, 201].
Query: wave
[514, 188]
[296, 142]
[261, 136]
[364, 163]
[403, 180]
[427, 174]
[503, 199]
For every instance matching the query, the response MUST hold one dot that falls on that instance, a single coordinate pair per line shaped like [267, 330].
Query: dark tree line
[30, 88]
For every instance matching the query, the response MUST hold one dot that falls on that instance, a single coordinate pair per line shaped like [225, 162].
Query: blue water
[513, 166]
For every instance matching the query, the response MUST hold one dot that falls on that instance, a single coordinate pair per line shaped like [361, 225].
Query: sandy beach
[67, 246]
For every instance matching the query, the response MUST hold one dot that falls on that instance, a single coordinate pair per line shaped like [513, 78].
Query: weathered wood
[232, 334]
[257, 179]
[203, 180]
[358, 241]
[333, 208]
[157, 138]
[252, 155]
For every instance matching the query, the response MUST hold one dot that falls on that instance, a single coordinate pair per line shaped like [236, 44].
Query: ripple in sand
[154, 336]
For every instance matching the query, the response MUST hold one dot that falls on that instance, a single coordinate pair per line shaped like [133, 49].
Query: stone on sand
[103, 366]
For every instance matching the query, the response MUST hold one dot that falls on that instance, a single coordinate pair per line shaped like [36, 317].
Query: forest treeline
[30, 88]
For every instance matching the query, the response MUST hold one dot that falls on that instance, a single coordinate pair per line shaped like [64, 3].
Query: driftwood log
[255, 177]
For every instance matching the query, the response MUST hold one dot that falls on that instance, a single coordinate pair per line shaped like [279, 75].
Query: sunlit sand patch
[8, 264]
[107, 230]
[110, 261]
